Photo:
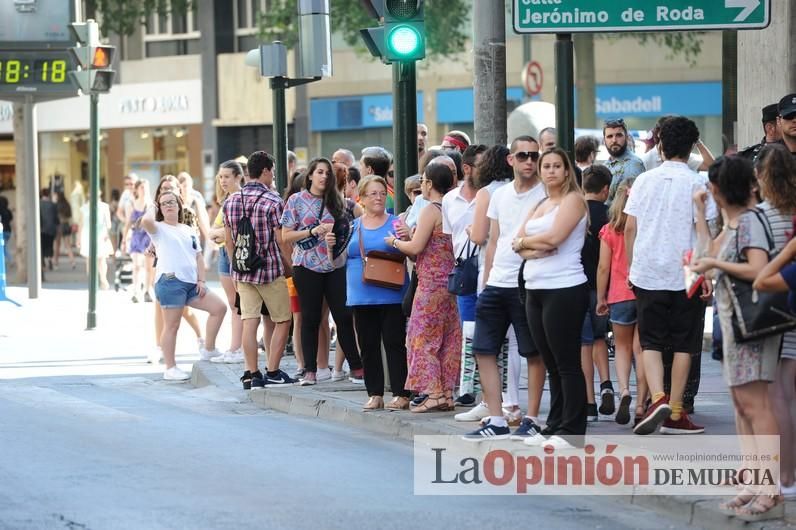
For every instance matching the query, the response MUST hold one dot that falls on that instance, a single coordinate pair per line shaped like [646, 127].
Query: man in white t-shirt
[498, 305]
[458, 209]
[659, 230]
[653, 159]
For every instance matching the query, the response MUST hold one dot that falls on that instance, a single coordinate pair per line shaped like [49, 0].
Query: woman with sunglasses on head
[180, 276]
[433, 335]
[557, 294]
[317, 221]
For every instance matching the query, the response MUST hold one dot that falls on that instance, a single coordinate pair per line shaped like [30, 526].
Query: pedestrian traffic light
[94, 73]
[404, 30]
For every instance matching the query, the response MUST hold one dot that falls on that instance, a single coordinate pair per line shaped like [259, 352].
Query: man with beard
[622, 163]
[787, 122]
[422, 136]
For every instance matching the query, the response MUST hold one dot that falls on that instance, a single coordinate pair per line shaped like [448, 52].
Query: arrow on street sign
[748, 7]
[593, 16]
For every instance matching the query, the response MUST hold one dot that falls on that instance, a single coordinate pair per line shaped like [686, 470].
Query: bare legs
[237, 324]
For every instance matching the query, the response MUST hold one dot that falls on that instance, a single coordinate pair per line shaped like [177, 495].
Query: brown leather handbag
[384, 269]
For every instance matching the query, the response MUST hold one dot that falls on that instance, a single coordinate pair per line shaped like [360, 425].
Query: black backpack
[245, 258]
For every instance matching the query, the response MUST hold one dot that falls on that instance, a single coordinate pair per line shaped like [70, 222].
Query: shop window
[154, 152]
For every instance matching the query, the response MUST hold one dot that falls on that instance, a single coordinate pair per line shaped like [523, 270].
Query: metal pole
[565, 97]
[278, 86]
[33, 220]
[527, 56]
[404, 128]
[91, 320]
[489, 90]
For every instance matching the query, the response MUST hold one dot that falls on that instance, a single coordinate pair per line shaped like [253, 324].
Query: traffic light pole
[278, 87]
[32, 219]
[91, 320]
[565, 93]
[404, 128]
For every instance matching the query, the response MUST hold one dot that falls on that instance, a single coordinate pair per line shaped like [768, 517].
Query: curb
[700, 512]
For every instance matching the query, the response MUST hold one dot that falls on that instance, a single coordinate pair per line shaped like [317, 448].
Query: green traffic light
[404, 40]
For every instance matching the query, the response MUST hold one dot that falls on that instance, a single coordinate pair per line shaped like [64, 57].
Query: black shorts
[498, 308]
[669, 320]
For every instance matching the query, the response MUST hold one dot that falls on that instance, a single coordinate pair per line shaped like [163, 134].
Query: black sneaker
[278, 378]
[527, 429]
[246, 379]
[591, 412]
[488, 432]
[257, 379]
[607, 405]
[623, 414]
[418, 399]
[465, 400]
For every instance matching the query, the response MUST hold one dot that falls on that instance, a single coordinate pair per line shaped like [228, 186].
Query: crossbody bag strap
[361, 244]
[763, 220]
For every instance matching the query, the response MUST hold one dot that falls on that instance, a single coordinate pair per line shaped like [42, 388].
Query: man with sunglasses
[787, 122]
[622, 163]
[498, 305]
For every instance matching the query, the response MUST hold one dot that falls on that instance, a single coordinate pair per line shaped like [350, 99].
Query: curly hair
[678, 135]
[776, 172]
[494, 166]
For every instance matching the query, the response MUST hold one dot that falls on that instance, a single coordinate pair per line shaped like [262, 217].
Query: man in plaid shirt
[265, 285]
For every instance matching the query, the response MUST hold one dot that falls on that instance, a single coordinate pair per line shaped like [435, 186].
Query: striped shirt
[264, 208]
[782, 227]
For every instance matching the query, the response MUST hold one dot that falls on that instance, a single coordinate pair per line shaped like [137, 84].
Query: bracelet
[395, 242]
[310, 231]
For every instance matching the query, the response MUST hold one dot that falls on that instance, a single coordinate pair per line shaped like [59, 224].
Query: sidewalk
[342, 402]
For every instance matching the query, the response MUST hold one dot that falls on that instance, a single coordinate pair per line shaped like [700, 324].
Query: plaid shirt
[264, 214]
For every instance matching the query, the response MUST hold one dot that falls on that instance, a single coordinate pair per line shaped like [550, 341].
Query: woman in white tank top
[551, 240]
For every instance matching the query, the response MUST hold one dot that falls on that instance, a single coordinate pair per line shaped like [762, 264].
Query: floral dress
[434, 335]
[754, 360]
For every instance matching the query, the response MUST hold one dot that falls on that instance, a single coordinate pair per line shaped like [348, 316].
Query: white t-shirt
[176, 247]
[509, 209]
[457, 214]
[652, 159]
[564, 268]
[662, 203]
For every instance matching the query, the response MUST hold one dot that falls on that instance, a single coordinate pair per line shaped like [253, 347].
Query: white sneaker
[323, 374]
[789, 492]
[200, 342]
[476, 413]
[557, 442]
[155, 356]
[207, 355]
[339, 376]
[537, 440]
[175, 374]
[230, 357]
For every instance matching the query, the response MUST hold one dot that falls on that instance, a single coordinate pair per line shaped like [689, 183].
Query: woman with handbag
[376, 282]
[741, 251]
[317, 221]
[433, 336]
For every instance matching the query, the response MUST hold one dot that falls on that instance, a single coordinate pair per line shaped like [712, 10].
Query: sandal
[432, 404]
[739, 501]
[374, 403]
[762, 508]
[398, 403]
[449, 400]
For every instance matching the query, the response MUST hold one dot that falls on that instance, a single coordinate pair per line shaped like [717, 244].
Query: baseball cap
[770, 113]
[787, 105]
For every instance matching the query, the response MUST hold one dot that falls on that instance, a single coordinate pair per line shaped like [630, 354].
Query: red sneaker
[682, 426]
[656, 414]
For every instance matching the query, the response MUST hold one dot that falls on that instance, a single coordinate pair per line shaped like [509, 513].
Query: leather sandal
[762, 508]
[374, 403]
[739, 501]
[398, 403]
[432, 404]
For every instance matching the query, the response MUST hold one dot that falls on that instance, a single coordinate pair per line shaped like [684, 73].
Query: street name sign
[592, 16]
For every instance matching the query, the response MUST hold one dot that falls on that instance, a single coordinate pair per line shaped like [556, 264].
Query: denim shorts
[496, 309]
[623, 313]
[173, 293]
[595, 326]
[224, 268]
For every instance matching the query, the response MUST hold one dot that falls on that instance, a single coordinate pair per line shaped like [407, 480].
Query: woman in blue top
[378, 316]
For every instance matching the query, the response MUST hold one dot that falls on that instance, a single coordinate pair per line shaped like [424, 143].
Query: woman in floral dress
[433, 336]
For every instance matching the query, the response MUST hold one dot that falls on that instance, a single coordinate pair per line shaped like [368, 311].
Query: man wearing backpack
[254, 241]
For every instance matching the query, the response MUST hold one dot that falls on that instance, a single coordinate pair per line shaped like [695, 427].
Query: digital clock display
[44, 72]
[33, 71]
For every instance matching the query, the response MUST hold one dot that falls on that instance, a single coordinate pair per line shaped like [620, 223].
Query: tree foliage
[447, 28]
[123, 17]
[687, 44]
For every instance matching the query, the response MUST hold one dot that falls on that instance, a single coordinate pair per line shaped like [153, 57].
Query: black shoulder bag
[463, 279]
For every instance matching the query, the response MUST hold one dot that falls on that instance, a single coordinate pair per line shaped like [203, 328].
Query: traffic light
[404, 30]
[94, 73]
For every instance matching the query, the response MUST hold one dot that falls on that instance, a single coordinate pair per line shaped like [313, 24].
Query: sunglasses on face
[789, 117]
[522, 156]
[416, 192]
[168, 203]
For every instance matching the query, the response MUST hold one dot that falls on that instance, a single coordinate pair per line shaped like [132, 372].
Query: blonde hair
[616, 213]
[370, 179]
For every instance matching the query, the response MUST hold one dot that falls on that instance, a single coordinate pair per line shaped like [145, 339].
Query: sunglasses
[619, 122]
[416, 192]
[522, 156]
[168, 203]
[789, 117]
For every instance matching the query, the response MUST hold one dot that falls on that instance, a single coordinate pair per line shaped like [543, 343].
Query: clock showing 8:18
[45, 71]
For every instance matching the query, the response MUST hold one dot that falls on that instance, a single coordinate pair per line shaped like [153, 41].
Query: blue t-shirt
[359, 292]
[789, 275]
